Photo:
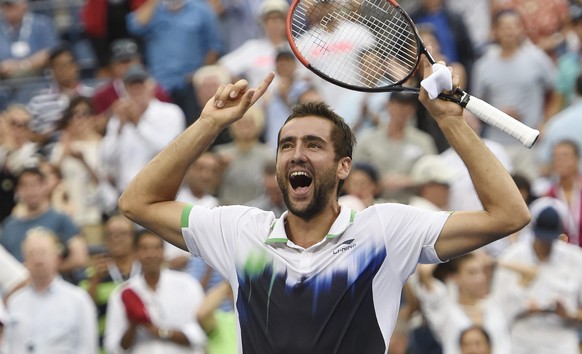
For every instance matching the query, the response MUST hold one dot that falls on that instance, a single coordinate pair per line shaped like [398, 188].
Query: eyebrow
[306, 138]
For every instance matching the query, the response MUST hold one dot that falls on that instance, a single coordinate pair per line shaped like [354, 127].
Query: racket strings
[362, 43]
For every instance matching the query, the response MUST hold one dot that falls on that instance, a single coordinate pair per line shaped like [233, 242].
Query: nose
[298, 154]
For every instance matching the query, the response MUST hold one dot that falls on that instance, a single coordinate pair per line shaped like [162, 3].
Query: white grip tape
[494, 117]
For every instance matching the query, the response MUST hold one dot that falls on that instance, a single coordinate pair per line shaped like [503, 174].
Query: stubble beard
[323, 190]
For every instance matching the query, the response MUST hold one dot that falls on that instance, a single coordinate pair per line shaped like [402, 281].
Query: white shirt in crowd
[127, 151]
[173, 305]
[447, 319]
[61, 320]
[558, 278]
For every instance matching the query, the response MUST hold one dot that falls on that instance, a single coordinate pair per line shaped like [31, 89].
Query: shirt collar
[345, 218]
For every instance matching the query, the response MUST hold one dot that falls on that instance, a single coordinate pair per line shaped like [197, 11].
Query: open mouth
[300, 181]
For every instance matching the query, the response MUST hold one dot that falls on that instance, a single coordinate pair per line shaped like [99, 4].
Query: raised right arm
[149, 199]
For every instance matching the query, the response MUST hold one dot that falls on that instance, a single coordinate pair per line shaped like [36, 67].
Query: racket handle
[494, 117]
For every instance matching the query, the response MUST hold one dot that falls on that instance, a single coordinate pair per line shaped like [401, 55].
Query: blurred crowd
[92, 91]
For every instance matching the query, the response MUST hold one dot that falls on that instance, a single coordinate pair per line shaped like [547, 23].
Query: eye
[285, 146]
[313, 146]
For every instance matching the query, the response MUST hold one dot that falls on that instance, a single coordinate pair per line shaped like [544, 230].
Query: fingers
[229, 91]
[232, 92]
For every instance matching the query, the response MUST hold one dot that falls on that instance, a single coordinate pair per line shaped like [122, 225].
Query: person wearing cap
[393, 147]
[124, 54]
[180, 36]
[539, 286]
[256, 57]
[138, 129]
[432, 179]
[26, 39]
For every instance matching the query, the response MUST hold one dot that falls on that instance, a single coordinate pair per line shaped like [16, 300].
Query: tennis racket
[373, 46]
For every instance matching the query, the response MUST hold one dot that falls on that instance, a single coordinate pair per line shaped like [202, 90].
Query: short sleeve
[410, 235]
[211, 233]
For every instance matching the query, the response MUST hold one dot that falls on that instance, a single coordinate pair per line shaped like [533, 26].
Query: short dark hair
[574, 145]
[31, 170]
[68, 113]
[477, 328]
[60, 49]
[342, 136]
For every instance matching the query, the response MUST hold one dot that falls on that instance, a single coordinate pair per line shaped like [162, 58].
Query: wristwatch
[164, 333]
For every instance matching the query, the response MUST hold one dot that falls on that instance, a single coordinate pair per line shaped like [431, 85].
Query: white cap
[274, 6]
[432, 168]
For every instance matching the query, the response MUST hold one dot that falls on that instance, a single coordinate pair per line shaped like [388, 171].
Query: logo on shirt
[344, 246]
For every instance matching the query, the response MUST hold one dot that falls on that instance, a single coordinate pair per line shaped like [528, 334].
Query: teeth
[299, 173]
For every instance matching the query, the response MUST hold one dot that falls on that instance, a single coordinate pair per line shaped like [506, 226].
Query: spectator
[245, 153]
[233, 13]
[566, 184]
[17, 151]
[76, 156]
[450, 313]
[48, 106]
[200, 185]
[516, 78]
[477, 18]
[364, 183]
[394, 147]
[206, 81]
[536, 287]
[180, 36]
[545, 22]
[568, 63]
[36, 212]
[256, 57]
[25, 40]
[449, 29]
[432, 179]
[272, 198]
[104, 22]
[564, 125]
[124, 54]
[475, 340]
[139, 128]
[111, 266]
[49, 315]
[286, 91]
[169, 303]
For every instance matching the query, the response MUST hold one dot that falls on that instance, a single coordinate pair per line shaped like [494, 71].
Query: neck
[467, 299]
[306, 233]
[152, 278]
[567, 182]
[508, 51]
[245, 144]
[395, 130]
[41, 284]
[542, 250]
[124, 263]
[197, 192]
[36, 210]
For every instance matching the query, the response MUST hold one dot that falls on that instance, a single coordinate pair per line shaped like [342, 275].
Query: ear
[344, 167]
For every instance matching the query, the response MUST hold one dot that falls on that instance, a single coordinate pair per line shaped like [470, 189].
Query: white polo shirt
[340, 295]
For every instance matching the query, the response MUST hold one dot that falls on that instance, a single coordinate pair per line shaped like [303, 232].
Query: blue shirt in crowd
[36, 33]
